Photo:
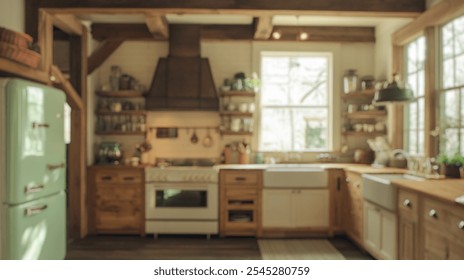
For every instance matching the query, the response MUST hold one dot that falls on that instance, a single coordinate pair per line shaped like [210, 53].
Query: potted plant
[451, 165]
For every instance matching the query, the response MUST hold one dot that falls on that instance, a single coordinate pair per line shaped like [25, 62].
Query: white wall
[12, 15]
[226, 58]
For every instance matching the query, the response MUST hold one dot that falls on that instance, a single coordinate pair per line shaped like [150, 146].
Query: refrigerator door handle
[34, 210]
[52, 167]
[34, 188]
[40, 125]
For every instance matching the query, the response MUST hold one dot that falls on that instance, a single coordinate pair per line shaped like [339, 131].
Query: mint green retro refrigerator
[32, 171]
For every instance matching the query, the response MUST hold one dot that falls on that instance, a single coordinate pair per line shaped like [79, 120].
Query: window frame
[330, 96]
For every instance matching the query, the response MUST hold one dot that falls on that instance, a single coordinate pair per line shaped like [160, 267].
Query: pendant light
[392, 93]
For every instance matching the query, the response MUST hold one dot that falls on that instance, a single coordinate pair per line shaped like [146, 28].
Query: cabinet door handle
[40, 125]
[240, 178]
[106, 178]
[347, 180]
[433, 213]
[407, 203]
[52, 167]
[34, 210]
[129, 178]
[33, 188]
[338, 184]
[461, 225]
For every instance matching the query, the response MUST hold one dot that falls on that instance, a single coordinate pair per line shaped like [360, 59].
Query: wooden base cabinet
[296, 209]
[380, 232]
[354, 207]
[337, 191]
[240, 203]
[118, 200]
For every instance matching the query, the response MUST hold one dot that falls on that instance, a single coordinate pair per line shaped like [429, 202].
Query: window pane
[412, 83]
[421, 114]
[276, 130]
[412, 145]
[460, 70]
[420, 84]
[412, 116]
[292, 123]
[412, 57]
[451, 141]
[420, 142]
[448, 73]
[451, 109]
[459, 35]
[447, 40]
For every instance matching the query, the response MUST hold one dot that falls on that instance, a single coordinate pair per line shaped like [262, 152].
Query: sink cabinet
[354, 207]
[295, 208]
[380, 232]
[337, 190]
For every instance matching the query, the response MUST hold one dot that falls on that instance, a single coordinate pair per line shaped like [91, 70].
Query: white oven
[182, 200]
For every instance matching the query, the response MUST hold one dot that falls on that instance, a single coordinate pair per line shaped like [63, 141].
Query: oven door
[182, 201]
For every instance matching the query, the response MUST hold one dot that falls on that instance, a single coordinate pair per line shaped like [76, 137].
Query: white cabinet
[380, 232]
[295, 208]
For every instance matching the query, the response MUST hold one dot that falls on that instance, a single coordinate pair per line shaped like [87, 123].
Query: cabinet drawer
[435, 214]
[241, 177]
[408, 204]
[107, 176]
[131, 177]
[115, 176]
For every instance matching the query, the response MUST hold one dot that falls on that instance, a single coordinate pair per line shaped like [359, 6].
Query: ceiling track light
[302, 35]
[276, 35]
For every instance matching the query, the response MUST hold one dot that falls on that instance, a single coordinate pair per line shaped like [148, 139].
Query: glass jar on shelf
[114, 77]
[350, 81]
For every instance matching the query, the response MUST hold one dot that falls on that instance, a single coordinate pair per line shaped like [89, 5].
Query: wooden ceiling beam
[101, 54]
[240, 32]
[263, 27]
[392, 7]
[72, 97]
[157, 25]
[67, 23]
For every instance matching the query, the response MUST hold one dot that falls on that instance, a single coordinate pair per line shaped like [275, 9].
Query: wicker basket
[21, 40]
[21, 55]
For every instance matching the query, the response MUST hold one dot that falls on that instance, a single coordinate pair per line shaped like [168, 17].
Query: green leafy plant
[456, 160]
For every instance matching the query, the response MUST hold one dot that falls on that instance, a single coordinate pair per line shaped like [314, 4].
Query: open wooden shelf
[238, 93]
[121, 94]
[119, 133]
[372, 114]
[122, 113]
[363, 134]
[364, 94]
[238, 133]
[236, 114]
[23, 71]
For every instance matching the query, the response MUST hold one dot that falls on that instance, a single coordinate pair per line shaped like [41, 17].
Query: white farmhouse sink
[377, 188]
[294, 175]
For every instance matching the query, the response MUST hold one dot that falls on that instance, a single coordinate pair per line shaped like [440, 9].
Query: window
[295, 105]
[414, 112]
[452, 87]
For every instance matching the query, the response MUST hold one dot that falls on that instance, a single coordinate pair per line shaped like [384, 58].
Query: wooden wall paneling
[334, 7]
[397, 110]
[263, 27]
[102, 53]
[431, 100]
[157, 25]
[45, 40]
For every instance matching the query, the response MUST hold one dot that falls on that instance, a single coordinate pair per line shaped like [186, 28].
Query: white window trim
[330, 98]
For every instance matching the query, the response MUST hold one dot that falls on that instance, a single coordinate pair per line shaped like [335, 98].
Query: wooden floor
[182, 248]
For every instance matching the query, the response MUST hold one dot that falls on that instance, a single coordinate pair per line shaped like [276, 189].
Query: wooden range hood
[183, 80]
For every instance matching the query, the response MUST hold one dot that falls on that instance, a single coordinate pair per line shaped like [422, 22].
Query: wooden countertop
[446, 190]
[140, 166]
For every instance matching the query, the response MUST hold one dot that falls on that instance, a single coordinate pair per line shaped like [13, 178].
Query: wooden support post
[157, 25]
[263, 27]
[396, 111]
[102, 53]
[431, 96]
[67, 23]
[45, 40]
